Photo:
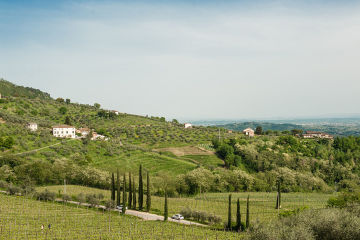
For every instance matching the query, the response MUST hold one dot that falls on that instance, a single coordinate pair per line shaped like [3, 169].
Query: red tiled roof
[63, 126]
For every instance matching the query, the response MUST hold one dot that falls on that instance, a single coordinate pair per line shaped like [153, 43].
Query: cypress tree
[229, 213]
[118, 197]
[238, 216]
[148, 193]
[278, 198]
[141, 190]
[112, 187]
[248, 212]
[130, 191]
[124, 195]
[134, 194]
[166, 213]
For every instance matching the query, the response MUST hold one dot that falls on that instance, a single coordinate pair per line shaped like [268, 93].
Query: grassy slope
[125, 129]
[22, 218]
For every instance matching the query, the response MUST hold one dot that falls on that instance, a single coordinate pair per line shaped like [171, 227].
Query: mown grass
[22, 218]
[105, 156]
[208, 161]
[152, 162]
[262, 204]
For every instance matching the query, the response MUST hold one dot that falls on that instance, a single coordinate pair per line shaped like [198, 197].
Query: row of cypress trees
[239, 225]
[130, 200]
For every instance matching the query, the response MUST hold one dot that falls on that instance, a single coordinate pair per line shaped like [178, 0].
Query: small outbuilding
[83, 131]
[187, 125]
[32, 126]
[249, 132]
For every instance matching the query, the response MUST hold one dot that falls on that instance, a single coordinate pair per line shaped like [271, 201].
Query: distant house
[116, 112]
[64, 131]
[314, 134]
[249, 132]
[96, 136]
[32, 126]
[83, 131]
[187, 125]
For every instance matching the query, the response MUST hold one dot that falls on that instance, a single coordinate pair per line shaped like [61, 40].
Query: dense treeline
[257, 165]
[301, 164]
[40, 172]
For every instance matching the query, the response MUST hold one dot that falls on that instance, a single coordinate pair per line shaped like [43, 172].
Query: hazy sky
[188, 59]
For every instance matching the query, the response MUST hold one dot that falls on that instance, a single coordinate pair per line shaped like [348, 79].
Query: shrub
[288, 213]
[324, 224]
[110, 204]
[45, 195]
[66, 198]
[344, 199]
[12, 189]
[27, 189]
[3, 184]
[92, 200]
[81, 198]
[200, 216]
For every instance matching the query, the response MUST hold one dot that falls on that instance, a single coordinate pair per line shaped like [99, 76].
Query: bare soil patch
[182, 151]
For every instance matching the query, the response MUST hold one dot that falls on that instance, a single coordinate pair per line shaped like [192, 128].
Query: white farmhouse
[32, 126]
[187, 125]
[64, 131]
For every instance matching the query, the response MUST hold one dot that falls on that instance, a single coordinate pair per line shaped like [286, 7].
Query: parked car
[120, 207]
[177, 217]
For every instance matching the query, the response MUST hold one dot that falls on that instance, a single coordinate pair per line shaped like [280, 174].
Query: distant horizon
[244, 119]
[350, 116]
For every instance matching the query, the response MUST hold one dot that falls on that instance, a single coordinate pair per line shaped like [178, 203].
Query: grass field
[262, 205]
[152, 162]
[21, 218]
[205, 160]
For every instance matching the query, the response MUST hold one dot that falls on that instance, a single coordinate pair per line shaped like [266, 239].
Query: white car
[120, 207]
[177, 217]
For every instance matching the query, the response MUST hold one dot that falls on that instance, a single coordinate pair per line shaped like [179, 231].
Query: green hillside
[132, 141]
[188, 160]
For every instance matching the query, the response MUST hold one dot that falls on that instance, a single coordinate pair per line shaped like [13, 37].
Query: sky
[188, 59]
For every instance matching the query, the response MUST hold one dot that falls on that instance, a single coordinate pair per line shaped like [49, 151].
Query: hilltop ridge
[9, 89]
